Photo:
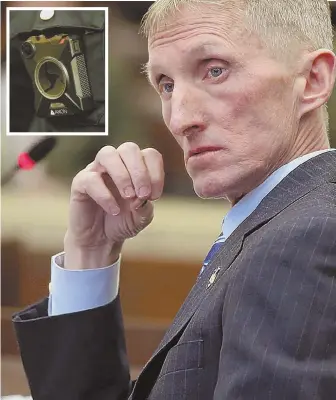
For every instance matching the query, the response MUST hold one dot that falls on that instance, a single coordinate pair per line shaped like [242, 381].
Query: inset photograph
[57, 70]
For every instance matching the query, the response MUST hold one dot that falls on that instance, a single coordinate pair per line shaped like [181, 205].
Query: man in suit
[243, 87]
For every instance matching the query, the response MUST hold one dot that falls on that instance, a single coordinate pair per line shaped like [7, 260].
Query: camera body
[58, 70]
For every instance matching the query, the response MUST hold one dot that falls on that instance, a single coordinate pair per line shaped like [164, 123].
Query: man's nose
[187, 115]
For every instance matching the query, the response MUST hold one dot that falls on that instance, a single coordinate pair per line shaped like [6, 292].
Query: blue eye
[216, 72]
[168, 87]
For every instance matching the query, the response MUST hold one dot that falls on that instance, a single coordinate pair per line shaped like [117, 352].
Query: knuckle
[83, 180]
[91, 178]
[90, 166]
[128, 146]
[90, 184]
[151, 152]
[104, 152]
[78, 179]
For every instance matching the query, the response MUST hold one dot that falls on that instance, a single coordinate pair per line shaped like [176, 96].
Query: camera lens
[27, 49]
[50, 78]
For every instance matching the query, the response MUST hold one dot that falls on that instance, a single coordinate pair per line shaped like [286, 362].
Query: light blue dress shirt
[79, 290]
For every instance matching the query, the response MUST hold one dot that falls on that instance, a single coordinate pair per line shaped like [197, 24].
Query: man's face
[229, 105]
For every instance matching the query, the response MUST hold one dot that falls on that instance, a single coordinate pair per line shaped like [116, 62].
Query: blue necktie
[215, 247]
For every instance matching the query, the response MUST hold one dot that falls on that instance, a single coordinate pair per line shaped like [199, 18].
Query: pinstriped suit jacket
[265, 329]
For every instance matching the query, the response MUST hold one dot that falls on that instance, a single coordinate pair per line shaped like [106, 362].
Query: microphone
[27, 160]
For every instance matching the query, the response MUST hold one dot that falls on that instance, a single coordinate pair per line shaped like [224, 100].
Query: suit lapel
[297, 184]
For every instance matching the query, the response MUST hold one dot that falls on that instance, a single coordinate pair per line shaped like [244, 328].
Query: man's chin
[209, 190]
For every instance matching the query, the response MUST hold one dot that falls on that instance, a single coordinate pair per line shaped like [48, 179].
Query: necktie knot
[214, 249]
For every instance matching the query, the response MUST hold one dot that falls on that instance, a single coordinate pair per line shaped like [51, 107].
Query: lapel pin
[213, 277]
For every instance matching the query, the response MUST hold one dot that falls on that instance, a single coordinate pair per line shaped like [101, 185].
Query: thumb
[144, 214]
[144, 209]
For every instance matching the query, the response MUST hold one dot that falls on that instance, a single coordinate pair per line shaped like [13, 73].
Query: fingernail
[144, 191]
[142, 205]
[129, 191]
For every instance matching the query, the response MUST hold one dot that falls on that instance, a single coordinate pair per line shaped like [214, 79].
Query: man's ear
[319, 72]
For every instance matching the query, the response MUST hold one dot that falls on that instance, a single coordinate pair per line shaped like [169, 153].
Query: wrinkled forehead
[198, 32]
[222, 18]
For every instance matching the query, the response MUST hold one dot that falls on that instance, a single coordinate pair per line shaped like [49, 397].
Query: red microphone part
[25, 162]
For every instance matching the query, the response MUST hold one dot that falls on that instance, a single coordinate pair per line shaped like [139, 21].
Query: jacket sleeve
[285, 314]
[74, 356]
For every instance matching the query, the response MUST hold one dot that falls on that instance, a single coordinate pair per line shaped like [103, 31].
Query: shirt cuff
[79, 290]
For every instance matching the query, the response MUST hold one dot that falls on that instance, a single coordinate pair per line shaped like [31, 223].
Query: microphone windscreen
[42, 149]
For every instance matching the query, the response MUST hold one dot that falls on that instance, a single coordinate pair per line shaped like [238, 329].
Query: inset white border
[7, 122]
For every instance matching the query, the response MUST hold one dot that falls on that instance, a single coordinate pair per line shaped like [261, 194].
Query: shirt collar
[240, 211]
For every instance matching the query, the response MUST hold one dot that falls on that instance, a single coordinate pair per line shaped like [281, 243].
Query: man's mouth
[202, 150]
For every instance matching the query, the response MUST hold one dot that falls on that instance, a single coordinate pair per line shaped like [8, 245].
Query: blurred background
[164, 260]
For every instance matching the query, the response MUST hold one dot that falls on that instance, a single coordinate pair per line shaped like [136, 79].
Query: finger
[154, 162]
[92, 184]
[144, 210]
[109, 160]
[139, 204]
[132, 158]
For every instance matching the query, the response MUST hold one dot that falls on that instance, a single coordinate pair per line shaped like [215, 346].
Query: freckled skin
[250, 110]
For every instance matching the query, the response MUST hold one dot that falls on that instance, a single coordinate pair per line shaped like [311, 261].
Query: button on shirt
[79, 290]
